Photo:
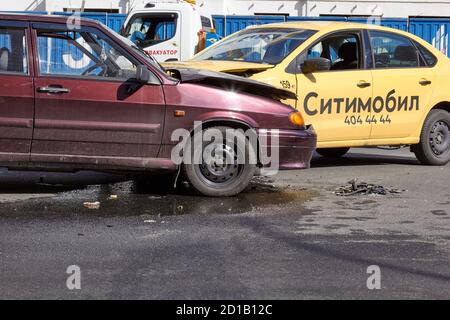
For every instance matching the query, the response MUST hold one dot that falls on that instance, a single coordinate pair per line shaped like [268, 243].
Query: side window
[148, 30]
[81, 53]
[429, 58]
[206, 24]
[342, 50]
[13, 51]
[393, 51]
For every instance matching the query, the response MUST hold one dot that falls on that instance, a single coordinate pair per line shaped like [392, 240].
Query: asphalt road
[290, 238]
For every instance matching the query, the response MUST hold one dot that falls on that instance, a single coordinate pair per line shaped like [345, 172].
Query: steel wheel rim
[439, 138]
[223, 168]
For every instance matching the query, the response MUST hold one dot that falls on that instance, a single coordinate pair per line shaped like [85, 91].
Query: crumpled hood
[230, 82]
[219, 66]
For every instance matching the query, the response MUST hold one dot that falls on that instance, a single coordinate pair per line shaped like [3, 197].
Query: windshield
[149, 58]
[141, 52]
[258, 45]
[150, 29]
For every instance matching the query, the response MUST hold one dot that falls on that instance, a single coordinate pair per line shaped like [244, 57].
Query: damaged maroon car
[79, 96]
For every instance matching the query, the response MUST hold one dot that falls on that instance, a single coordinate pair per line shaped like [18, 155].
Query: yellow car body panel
[356, 126]
[220, 66]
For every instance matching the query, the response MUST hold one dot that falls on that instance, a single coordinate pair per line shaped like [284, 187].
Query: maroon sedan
[75, 95]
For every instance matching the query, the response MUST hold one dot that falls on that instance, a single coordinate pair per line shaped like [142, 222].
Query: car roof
[330, 26]
[44, 18]
[324, 25]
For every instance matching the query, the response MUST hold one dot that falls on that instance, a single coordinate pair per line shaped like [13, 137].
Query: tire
[332, 152]
[220, 180]
[434, 146]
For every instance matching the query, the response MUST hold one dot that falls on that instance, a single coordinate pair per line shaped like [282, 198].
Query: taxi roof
[330, 26]
[324, 25]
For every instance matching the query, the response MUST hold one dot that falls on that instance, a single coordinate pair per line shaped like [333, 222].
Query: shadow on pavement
[360, 159]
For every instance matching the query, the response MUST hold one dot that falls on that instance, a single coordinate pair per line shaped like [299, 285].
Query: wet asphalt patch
[130, 198]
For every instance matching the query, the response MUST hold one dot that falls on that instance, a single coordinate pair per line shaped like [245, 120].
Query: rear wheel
[221, 175]
[434, 146]
[332, 152]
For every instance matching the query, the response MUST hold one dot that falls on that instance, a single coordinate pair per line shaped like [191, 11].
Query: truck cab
[170, 30]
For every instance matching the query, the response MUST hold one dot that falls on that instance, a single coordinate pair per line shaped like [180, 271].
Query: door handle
[53, 90]
[364, 84]
[424, 82]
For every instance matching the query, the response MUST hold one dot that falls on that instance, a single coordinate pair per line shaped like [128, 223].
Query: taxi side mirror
[316, 64]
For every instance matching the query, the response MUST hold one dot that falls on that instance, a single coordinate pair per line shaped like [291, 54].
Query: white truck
[170, 30]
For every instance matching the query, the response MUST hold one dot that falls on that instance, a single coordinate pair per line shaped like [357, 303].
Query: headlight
[297, 118]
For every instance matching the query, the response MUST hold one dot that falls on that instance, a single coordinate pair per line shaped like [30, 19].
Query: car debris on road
[363, 188]
[92, 205]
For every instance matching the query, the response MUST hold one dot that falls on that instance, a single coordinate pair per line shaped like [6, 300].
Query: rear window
[429, 58]
[13, 51]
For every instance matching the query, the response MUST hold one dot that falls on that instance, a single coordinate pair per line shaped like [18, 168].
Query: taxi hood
[230, 82]
[220, 66]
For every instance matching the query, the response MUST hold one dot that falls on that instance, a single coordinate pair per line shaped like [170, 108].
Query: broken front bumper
[287, 149]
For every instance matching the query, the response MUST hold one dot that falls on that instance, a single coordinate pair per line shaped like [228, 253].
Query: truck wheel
[222, 175]
[434, 146]
[332, 152]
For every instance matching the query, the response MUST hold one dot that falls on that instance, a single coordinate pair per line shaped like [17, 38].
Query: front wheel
[222, 173]
[332, 152]
[434, 146]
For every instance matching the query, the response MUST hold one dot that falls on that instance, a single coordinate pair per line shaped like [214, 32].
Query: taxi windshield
[257, 45]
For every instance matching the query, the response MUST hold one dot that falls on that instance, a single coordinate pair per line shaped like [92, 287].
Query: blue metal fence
[433, 30]
[112, 20]
[226, 25]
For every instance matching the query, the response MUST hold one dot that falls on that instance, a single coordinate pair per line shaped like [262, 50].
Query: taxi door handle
[363, 84]
[425, 82]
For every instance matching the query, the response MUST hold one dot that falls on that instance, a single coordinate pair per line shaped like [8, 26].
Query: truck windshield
[150, 29]
[141, 52]
[258, 45]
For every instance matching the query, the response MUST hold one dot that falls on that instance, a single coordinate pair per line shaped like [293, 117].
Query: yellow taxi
[359, 85]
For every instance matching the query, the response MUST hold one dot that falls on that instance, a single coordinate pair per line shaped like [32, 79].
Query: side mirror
[143, 75]
[316, 64]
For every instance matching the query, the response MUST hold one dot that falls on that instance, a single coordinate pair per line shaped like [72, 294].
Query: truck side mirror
[316, 64]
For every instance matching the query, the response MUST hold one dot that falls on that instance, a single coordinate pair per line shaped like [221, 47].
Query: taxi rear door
[403, 85]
